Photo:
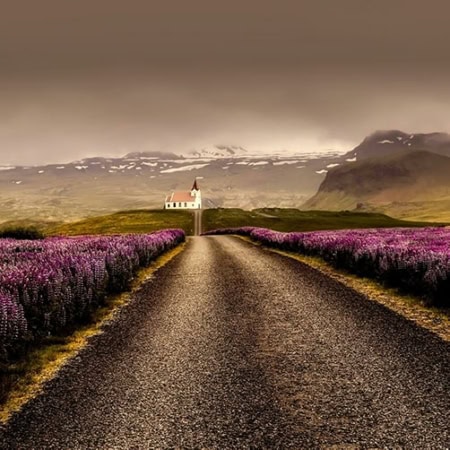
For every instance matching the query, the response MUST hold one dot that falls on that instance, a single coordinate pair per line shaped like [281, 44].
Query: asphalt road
[232, 346]
[198, 222]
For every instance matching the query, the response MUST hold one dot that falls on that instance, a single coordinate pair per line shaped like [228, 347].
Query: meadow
[289, 219]
[132, 221]
[147, 221]
[415, 260]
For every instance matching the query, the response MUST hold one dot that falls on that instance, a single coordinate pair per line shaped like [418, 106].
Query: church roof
[180, 196]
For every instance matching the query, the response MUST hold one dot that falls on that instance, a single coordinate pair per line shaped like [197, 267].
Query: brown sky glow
[106, 77]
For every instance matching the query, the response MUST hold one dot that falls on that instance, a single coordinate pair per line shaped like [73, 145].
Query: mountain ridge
[100, 185]
[387, 142]
[388, 183]
[229, 175]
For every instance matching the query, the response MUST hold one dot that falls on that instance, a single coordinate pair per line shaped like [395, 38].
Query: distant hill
[391, 142]
[411, 184]
[219, 151]
[229, 176]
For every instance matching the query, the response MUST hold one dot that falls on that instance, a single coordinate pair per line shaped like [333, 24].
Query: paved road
[231, 346]
[198, 222]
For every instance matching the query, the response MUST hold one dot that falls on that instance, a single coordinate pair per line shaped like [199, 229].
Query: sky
[105, 77]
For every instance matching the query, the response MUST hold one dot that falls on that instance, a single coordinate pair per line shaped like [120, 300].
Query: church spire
[195, 186]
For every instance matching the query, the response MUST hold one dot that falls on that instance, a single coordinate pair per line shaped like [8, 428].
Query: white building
[185, 199]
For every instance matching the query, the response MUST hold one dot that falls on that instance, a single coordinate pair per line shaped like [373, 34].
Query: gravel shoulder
[232, 346]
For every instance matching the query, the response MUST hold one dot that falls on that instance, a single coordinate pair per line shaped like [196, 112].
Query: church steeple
[195, 186]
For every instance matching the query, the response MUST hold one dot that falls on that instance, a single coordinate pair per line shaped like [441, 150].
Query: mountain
[149, 155]
[391, 142]
[219, 151]
[389, 171]
[409, 184]
[229, 176]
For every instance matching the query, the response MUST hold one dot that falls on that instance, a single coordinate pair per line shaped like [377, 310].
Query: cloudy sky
[106, 77]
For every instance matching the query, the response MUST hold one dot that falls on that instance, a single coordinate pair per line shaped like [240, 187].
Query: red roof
[180, 197]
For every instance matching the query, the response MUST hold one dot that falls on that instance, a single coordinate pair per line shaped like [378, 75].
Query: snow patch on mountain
[219, 151]
[184, 168]
[282, 163]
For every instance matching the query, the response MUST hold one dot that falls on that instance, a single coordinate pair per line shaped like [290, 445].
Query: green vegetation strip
[146, 221]
[286, 219]
[135, 221]
[25, 379]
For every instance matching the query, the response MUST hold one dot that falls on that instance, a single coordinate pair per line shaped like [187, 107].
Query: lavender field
[416, 260]
[51, 284]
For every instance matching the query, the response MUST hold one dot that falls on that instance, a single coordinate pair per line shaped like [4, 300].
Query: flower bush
[49, 284]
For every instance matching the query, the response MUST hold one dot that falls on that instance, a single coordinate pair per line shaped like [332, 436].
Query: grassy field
[138, 221]
[281, 219]
[284, 219]
[135, 221]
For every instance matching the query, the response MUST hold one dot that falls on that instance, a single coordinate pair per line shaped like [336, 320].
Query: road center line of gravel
[409, 307]
[44, 363]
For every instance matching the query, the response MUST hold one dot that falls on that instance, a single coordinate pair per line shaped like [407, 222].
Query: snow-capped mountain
[219, 151]
[230, 176]
[402, 174]
[390, 142]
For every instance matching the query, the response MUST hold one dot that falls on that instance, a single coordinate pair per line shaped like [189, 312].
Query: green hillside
[282, 219]
[135, 221]
[285, 219]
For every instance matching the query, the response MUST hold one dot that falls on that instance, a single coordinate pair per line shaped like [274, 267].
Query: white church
[185, 199]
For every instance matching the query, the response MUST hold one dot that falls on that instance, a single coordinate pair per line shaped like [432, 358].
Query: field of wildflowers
[416, 260]
[50, 284]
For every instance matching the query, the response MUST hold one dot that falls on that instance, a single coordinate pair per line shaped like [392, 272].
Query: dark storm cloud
[106, 77]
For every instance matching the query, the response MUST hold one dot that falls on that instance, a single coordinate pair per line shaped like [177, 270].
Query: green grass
[281, 219]
[285, 219]
[135, 221]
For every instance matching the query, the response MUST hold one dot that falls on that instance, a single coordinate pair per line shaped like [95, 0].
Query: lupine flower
[46, 285]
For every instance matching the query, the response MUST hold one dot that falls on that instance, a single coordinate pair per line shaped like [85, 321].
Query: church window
[174, 205]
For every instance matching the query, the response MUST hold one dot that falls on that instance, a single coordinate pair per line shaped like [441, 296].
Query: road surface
[198, 222]
[232, 346]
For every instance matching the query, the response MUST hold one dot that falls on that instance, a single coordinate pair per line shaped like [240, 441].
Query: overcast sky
[105, 77]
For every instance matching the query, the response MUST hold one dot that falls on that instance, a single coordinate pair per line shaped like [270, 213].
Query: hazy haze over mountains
[106, 78]
[229, 176]
[392, 171]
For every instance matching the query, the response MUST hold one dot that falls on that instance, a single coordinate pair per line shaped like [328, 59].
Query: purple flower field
[416, 260]
[47, 285]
